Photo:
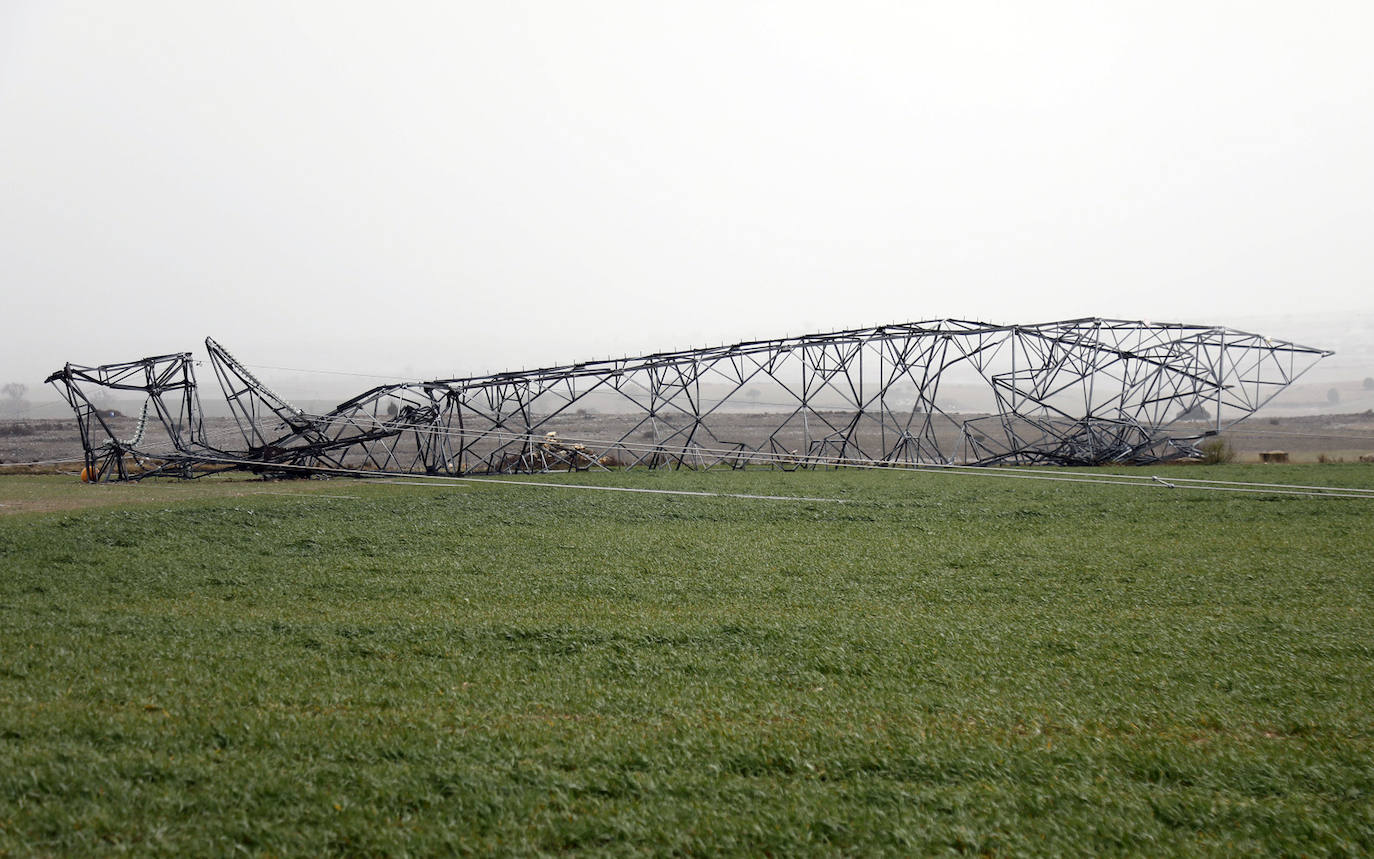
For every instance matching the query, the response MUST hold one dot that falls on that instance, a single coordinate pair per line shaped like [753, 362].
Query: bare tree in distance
[15, 404]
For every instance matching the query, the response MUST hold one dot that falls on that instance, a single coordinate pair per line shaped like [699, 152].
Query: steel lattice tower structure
[1076, 392]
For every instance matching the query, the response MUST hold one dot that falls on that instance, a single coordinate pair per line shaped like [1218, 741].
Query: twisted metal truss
[1077, 392]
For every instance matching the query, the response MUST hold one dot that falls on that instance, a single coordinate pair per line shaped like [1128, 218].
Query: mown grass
[940, 664]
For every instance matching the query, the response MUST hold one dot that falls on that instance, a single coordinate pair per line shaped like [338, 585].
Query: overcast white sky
[444, 188]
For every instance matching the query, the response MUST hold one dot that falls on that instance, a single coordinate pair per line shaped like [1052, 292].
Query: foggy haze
[438, 190]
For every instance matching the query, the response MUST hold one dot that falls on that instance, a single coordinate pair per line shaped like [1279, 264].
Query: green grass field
[940, 664]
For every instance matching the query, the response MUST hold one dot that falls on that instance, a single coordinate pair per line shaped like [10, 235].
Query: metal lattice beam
[1077, 392]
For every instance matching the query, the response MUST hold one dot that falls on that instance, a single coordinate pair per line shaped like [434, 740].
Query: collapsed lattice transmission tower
[1079, 392]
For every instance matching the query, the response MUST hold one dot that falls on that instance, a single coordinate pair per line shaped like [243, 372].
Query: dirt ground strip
[47, 493]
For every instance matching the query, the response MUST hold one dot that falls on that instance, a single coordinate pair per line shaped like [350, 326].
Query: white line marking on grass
[306, 495]
[615, 489]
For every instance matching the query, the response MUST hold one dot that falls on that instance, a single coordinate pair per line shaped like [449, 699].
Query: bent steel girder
[1076, 392]
[168, 385]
